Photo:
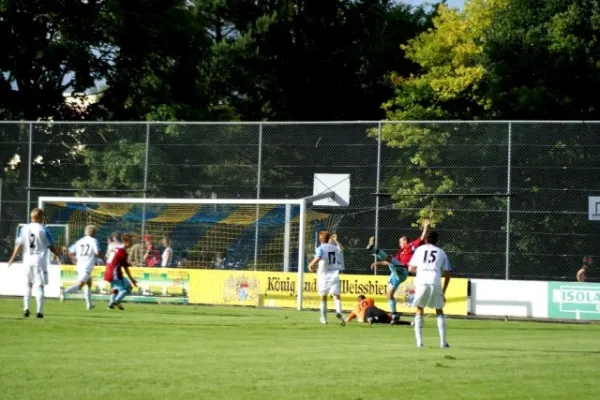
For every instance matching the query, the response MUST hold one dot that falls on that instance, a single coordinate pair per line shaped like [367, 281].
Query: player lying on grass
[429, 263]
[119, 285]
[84, 254]
[366, 311]
[330, 262]
[397, 264]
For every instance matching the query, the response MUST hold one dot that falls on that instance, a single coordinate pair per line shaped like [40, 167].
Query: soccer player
[83, 254]
[398, 265]
[328, 257]
[120, 286]
[429, 263]
[37, 241]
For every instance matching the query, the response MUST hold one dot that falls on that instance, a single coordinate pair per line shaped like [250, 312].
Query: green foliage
[542, 60]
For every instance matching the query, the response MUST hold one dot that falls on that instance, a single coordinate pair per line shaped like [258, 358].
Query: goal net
[226, 234]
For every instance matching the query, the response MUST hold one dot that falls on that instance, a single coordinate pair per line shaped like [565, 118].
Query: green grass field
[188, 352]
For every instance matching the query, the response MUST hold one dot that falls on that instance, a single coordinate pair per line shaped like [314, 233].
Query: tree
[449, 55]
[47, 49]
[429, 164]
[542, 60]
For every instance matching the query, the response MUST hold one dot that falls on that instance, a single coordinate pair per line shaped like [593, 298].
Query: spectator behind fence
[136, 253]
[152, 255]
[167, 254]
[583, 271]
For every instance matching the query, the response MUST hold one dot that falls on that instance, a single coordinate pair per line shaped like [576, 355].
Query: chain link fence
[509, 199]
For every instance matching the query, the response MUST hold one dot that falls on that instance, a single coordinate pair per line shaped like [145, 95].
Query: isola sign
[573, 300]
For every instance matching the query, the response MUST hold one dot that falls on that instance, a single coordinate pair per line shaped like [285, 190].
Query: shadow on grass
[521, 350]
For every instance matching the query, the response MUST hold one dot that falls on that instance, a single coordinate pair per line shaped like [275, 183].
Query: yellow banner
[154, 285]
[278, 289]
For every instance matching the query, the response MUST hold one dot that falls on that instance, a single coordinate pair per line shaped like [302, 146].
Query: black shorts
[377, 314]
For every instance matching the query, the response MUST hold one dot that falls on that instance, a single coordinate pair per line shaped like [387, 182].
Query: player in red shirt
[398, 265]
[113, 274]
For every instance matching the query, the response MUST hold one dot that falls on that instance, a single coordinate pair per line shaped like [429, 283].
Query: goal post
[244, 234]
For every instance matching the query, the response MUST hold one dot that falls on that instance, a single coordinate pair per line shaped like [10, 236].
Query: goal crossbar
[139, 200]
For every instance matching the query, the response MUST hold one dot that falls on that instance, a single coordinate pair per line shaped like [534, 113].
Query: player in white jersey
[330, 262]
[430, 262]
[84, 254]
[36, 241]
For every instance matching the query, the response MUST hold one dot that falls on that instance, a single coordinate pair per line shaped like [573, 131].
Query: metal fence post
[145, 179]
[508, 177]
[29, 164]
[377, 189]
[258, 173]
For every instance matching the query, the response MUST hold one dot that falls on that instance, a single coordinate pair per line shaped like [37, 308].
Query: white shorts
[429, 296]
[84, 275]
[36, 275]
[328, 283]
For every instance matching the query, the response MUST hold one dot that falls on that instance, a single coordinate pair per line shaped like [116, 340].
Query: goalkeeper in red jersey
[115, 266]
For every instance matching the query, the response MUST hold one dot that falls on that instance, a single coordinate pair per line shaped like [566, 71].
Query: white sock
[26, 298]
[338, 306]
[40, 300]
[441, 323]
[419, 329]
[323, 308]
[71, 289]
[88, 296]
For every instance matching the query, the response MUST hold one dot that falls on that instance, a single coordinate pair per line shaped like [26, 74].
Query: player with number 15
[430, 262]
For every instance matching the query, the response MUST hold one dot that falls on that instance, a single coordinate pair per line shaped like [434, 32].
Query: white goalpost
[244, 234]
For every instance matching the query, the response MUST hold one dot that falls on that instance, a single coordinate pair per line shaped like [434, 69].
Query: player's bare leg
[338, 309]
[323, 307]
[26, 300]
[71, 289]
[88, 295]
[419, 326]
[441, 323]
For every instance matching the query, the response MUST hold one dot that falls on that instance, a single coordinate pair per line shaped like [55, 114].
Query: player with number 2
[35, 240]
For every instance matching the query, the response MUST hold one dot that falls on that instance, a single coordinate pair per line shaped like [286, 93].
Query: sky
[451, 3]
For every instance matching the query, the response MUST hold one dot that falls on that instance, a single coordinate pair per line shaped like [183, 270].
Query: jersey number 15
[430, 256]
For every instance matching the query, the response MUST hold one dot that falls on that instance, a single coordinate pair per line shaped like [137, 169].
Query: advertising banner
[13, 282]
[278, 289]
[155, 285]
[573, 300]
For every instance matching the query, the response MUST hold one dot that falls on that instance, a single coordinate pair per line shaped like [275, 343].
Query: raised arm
[426, 224]
[335, 239]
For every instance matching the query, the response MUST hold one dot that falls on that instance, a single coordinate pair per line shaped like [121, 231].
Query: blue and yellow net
[201, 236]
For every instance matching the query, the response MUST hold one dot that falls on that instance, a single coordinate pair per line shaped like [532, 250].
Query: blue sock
[392, 304]
[112, 297]
[121, 295]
